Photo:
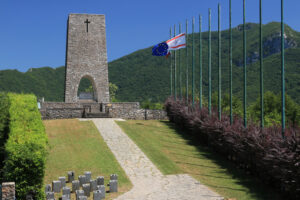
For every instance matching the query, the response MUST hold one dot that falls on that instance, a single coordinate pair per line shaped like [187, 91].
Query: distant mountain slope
[141, 76]
[43, 82]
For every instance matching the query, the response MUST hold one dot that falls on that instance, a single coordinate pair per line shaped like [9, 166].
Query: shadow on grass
[257, 188]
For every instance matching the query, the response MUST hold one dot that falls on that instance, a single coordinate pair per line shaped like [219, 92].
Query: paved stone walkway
[148, 182]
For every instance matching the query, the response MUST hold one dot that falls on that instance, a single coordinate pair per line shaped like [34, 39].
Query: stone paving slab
[148, 182]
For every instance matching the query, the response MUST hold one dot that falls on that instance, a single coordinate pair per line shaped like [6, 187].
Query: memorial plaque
[87, 189]
[75, 185]
[113, 186]
[79, 193]
[88, 176]
[100, 180]
[49, 195]
[82, 180]
[47, 188]
[86, 95]
[71, 176]
[56, 186]
[97, 195]
[113, 177]
[102, 189]
[63, 181]
[93, 185]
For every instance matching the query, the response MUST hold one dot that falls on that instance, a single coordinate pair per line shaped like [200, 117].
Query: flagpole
[179, 67]
[193, 63]
[209, 61]
[230, 62]
[282, 75]
[187, 66]
[261, 68]
[171, 69]
[245, 64]
[175, 73]
[200, 61]
[219, 47]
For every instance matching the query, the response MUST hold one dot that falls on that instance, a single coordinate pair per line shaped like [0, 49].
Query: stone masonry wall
[86, 56]
[128, 110]
[8, 191]
[133, 111]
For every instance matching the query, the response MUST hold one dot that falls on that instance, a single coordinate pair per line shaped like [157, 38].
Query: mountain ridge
[141, 76]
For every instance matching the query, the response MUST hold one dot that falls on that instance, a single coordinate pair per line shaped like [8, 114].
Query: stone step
[97, 115]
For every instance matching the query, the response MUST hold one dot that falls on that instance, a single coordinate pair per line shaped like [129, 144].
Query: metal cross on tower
[87, 24]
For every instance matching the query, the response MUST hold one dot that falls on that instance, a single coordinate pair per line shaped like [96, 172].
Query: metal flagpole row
[175, 73]
[245, 64]
[261, 68]
[179, 68]
[209, 61]
[193, 63]
[282, 74]
[219, 59]
[200, 61]
[171, 69]
[230, 63]
[187, 66]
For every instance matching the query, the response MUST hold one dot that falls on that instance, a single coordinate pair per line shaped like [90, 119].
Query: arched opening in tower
[86, 90]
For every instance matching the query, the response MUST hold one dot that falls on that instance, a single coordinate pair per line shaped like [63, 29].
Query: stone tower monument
[86, 56]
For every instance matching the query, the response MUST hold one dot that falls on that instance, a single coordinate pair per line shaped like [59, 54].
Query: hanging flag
[160, 49]
[176, 42]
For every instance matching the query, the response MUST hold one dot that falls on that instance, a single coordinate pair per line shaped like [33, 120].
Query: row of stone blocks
[88, 185]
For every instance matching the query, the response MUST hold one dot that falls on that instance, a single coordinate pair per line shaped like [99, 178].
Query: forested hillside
[141, 76]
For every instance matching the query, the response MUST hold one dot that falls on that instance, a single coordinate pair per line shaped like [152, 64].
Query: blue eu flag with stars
[160, 49]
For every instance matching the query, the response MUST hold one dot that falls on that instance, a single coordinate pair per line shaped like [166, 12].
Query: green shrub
[152, 105]
[272, 110]
[4, 120]
[25, 147]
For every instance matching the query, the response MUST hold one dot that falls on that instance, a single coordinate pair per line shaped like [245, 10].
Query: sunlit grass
[78, 146]
[173, 152]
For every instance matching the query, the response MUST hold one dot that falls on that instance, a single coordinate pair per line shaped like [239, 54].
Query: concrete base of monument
[124, 110]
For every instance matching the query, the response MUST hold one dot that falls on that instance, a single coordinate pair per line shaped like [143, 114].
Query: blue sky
[33, 32]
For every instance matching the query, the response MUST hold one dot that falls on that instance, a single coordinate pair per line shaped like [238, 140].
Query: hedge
[26, 147]
[261, 152]
[4, 123]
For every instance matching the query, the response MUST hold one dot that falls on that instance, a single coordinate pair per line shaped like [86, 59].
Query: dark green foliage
[4, 123]
[272, 110]
[237, 108]
[85, 85]
[261, 152]
[152, 105]
[26, 147]
[43, 82]
[113, 89]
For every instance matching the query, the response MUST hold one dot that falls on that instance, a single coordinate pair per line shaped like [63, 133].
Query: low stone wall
[132, 110]
[155, 115]
[124, 110]
[60, 110]
[8, 191]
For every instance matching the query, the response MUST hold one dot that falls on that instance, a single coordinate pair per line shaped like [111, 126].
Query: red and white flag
[177, 42]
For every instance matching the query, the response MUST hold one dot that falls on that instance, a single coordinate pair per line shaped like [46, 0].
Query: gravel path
[148, 182]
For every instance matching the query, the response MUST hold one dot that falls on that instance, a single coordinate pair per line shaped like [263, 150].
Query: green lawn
[78, 146]
[173, 152]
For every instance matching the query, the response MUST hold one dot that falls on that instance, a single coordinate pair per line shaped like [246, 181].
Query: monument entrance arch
[86, 56]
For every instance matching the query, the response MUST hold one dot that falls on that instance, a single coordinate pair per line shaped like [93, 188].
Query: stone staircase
[97, 115]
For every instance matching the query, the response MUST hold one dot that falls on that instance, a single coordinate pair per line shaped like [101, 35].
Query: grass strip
[173, 151]
[77, 146]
